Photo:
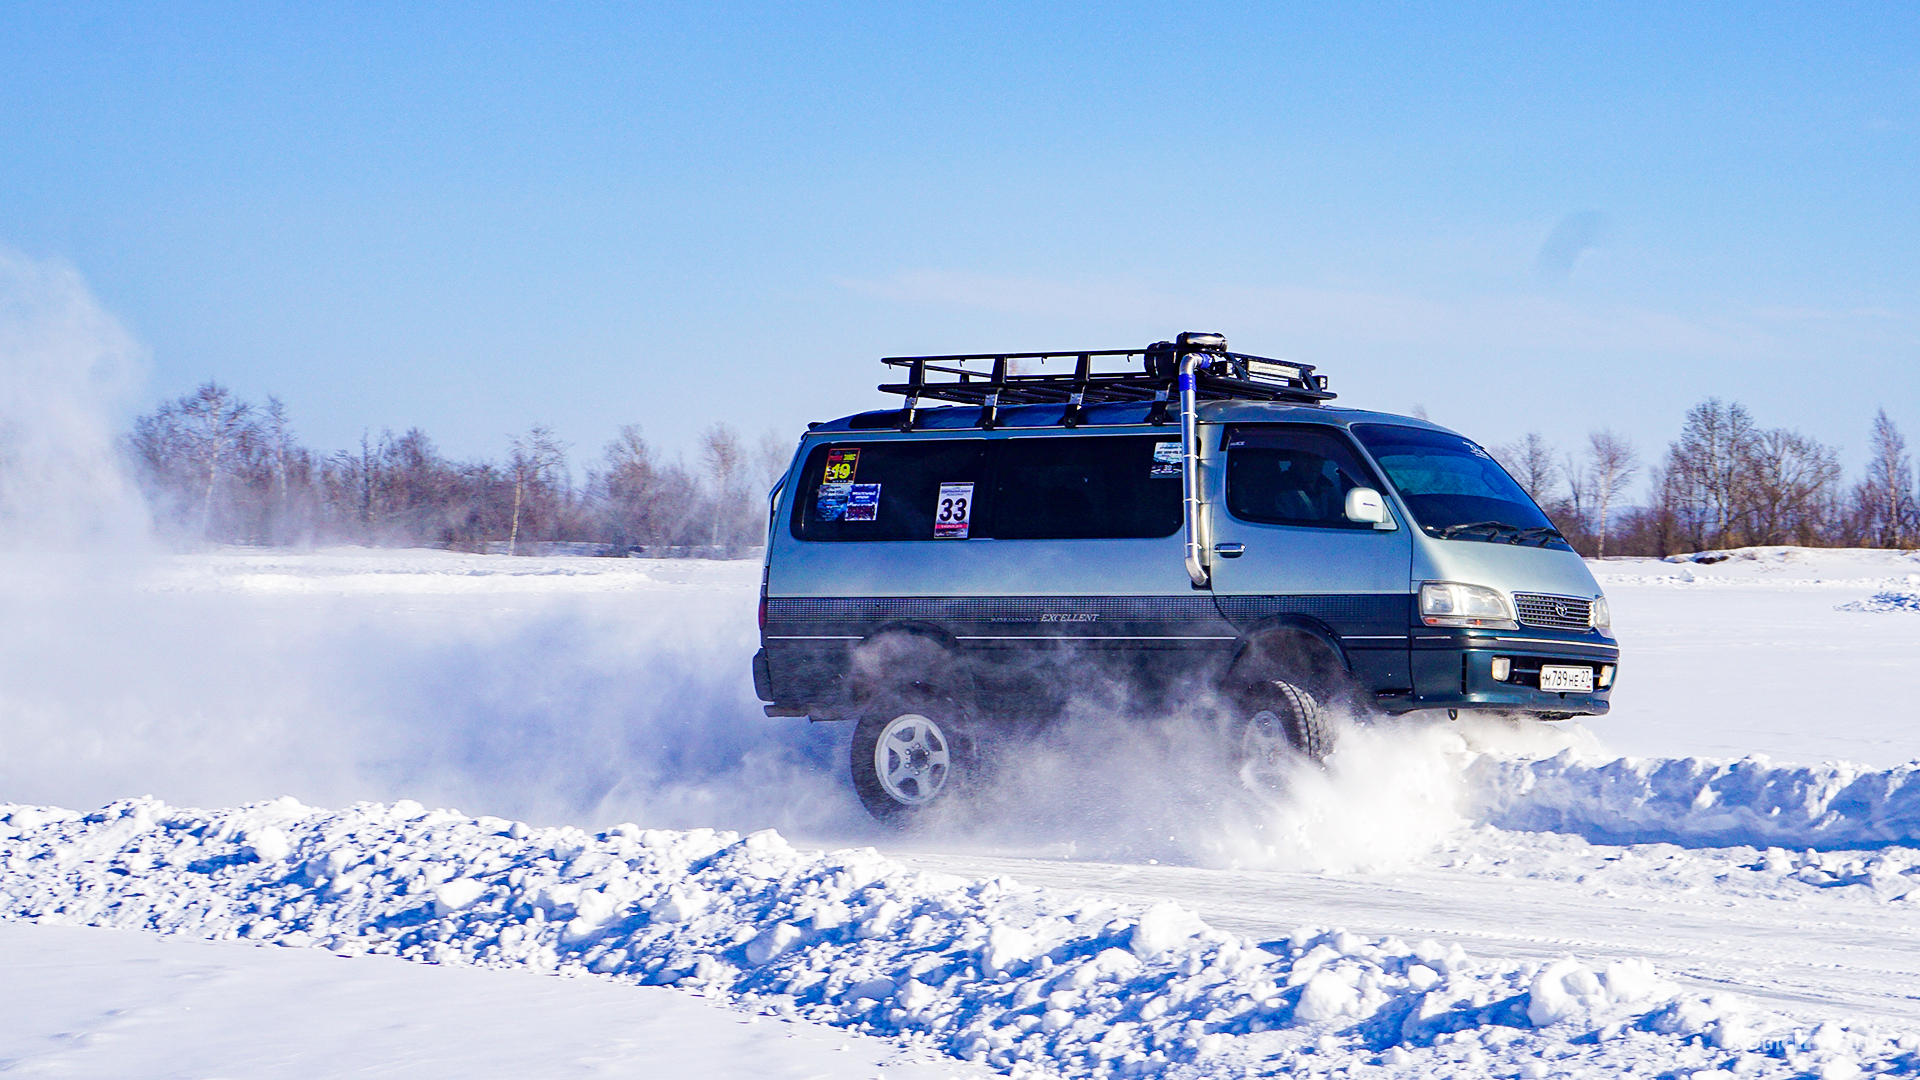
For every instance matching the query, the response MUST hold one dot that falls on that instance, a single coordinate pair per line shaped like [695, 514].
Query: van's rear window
[1056, 487]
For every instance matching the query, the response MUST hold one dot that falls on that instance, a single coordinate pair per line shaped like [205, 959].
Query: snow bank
[1027, 980]
[1885, 601]
[1700, 801]
[1766, 566]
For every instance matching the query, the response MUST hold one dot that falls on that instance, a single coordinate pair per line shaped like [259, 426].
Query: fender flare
[956, 674]
[1279, 646]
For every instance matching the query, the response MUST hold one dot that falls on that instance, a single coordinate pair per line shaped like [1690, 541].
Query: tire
[909, 759]
[1276, 724]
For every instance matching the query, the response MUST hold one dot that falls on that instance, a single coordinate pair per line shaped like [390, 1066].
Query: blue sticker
[1166, 460]
[863, 502]
[831, 503]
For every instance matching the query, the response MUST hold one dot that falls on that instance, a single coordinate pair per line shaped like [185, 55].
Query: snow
[1757, 654]
[1479, 897]
[91, 1003]
[1885, 601]
[983, 970]
[1697, 801]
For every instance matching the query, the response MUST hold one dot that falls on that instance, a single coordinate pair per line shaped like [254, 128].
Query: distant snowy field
[1752, 655]
[1405, 913]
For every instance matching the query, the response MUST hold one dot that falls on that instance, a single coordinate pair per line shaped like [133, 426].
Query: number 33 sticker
[954, 514]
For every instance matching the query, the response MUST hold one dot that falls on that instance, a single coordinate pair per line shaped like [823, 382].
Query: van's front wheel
[1277, 723]
[908, 759]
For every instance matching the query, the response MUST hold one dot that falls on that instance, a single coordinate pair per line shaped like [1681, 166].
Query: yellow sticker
[841, 465]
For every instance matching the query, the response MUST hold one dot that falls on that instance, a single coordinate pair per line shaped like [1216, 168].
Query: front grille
[1554, 612]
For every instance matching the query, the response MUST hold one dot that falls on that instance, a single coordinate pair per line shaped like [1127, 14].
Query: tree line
[218, 468]
[1725, 482]
[221, 469]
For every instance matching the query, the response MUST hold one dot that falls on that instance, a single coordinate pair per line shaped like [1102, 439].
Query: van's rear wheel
[908, 759]
[1277, 724]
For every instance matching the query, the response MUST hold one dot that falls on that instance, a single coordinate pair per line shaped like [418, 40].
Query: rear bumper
[762, 676]
[1455, 671]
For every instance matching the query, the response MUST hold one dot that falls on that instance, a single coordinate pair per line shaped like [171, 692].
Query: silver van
[1178, 522]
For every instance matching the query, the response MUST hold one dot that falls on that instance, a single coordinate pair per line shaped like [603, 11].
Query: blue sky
[475, 217]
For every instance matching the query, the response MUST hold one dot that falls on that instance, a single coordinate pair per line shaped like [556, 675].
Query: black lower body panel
[1025, 655]
[1455, 670]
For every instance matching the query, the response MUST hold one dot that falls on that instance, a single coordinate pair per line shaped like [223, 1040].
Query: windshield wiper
[1495, 530]
[1491, 528]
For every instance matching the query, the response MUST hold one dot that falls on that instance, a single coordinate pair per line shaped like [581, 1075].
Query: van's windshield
[1454, 488]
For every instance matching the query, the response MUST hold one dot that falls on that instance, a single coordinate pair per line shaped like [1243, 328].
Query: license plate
[1555, 677]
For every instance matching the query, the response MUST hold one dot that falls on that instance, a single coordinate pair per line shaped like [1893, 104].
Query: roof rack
[1143, 375]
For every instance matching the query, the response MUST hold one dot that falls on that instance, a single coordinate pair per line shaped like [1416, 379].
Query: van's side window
[889, 490]
[1292, 476]
[1085, 487]
[1070, 487]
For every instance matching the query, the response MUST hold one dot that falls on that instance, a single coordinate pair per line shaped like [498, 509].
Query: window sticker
[841, 465]
[1166, 460]
[831, 502]
[953, 514]
[863, 502]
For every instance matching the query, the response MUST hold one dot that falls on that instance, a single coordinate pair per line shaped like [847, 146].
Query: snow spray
[212, 678]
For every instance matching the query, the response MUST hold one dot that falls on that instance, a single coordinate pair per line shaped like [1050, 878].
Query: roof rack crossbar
[1224, 376]
[1077, 397]
[916, 382]
[990, 404]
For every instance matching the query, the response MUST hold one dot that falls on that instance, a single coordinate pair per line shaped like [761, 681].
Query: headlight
[1449, 603]
[1602, 616]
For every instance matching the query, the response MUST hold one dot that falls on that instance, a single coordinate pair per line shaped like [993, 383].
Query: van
[1181, 522]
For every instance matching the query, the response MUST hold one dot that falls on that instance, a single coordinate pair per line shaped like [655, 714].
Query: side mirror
[1365, 504]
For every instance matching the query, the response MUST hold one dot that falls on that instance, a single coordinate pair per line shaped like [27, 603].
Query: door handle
[1229, 551]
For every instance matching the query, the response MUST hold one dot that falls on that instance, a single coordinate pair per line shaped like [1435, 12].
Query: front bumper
[1453, 669]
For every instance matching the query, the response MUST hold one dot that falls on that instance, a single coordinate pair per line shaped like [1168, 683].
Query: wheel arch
[909, 657]
[1293, 648]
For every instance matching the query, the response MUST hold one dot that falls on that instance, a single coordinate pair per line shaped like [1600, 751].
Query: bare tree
[1530, 461]
[1611, 464]
[282, 457]
[1885, 498]
[190, 444]
[419, 492]
[1790, 487]
[536, 461]
[724, 458]
[1708, 469]
[1579, 493]
[215, 422]
[628, 489]
[265, 487]
[773, 455]
[365, 486]
[630, 460]
[276, 439]
[1653, 529]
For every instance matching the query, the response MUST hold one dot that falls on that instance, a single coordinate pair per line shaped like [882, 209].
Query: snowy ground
[1750, 914]
[1750, 656]
[87, 1002]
